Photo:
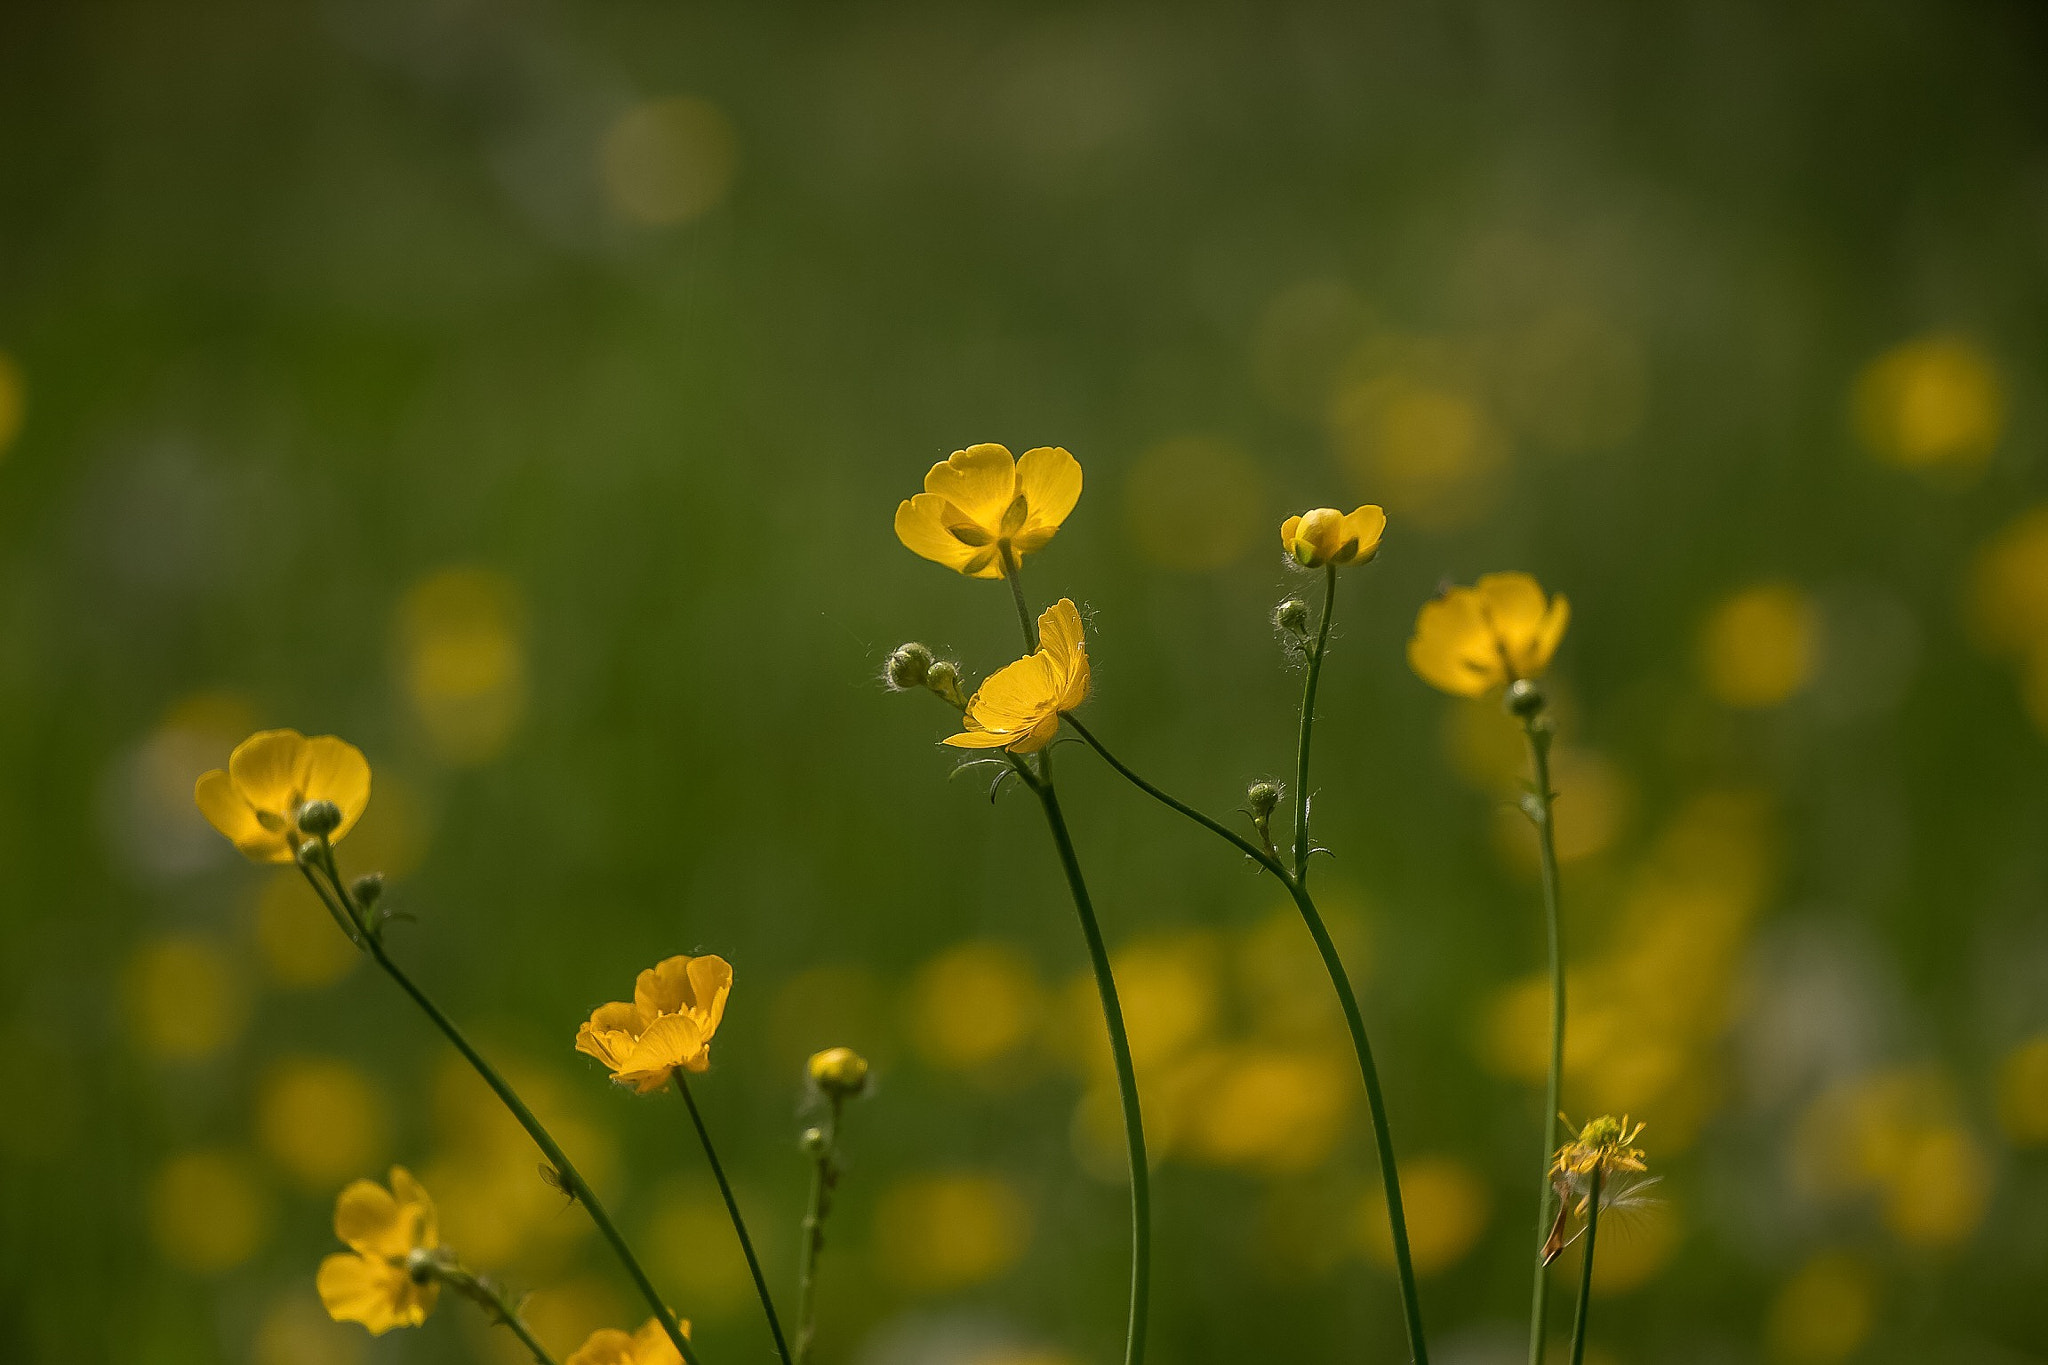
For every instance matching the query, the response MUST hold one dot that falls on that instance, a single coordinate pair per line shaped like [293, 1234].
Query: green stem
[824, 1180]
[1017, 596]
[572, 1181]
[1539, 808]
[1586, 1273]
[491, 1299]
[1308, 723]
[1340, 980]
[1126, 1072]
[739, 1224]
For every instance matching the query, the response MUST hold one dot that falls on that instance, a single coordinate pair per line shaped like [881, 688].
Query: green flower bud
[1291, 617]
[1524, 699]
[839, 1072]
[943, 678]
[1262, 798]
[814, 1143]
[908, 667]
[319, 818]
[367, 888]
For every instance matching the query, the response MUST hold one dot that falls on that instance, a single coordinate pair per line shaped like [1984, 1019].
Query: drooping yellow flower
[675, 1009]
[1606, 1144]
[979, 500]
[1019, 706]
[1327, 536]
[1496, 631]
[255, 801]
[390, 1232]
[648, 1346]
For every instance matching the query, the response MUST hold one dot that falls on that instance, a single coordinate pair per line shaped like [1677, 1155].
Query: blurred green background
[522, 390]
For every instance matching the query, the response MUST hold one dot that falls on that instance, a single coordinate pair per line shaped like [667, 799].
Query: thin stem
[1539, 807]
[572, 1181]
[1308, 724]
[1017, 596]
[739, 1224]
[1586, 1273]
[1340, 980]
[824, 1180]
[1126, 1073]
[486, 1295]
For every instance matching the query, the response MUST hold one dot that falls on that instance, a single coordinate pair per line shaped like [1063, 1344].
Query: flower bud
[944, 679]
[1311, 548]
[814, 1143]
[367, 888]
[1262, 798]
[319, 818]
[1291, 617]
[839, 1072]
[1524, 699]
[908, 667]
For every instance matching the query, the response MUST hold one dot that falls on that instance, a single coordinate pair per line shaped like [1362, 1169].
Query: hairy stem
[824, 1181]
[572, 1181]
[1308, 725]
[1539, 807]
[739, 1224]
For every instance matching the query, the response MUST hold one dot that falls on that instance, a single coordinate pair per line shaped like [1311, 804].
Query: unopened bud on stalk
[367, 888]
[1261, 798]
[813, 1143]
[839, 1072]
[944, 679]
[319, 818]
[1291, 617]
[908, 667]
[1524, 699]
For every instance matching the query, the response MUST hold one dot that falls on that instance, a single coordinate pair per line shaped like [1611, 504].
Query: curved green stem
[1539, 807]
[487, 1296]
[1308, 723]
[1126, 1072]
[572, 1181]
[739, 1224]
[824, 1181]
[1354, 1021]
[1586, 1273]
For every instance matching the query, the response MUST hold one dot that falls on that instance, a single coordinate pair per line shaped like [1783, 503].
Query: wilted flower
[675, 1009]
[1019, 707]
[979, 500]
[270, 778]
[1500, 630]
[1606, 1144]
[648, 1346]
[393, 1233]
[1327, 536]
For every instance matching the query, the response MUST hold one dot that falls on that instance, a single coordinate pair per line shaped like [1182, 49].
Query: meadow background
[522, 390]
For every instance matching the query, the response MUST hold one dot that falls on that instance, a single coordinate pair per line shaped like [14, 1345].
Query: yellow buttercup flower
[675, 1009]
[1497, 631]
[1327, 536]
[391, 1232]
[255, 801]
[648, 1346]
[1019, 707]
[979, 500]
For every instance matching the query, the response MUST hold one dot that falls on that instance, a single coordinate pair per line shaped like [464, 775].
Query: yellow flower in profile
[675, 1009]
[1019, 707]
[391, 1232]
[979, 500]
[255, 801]
[1496, 631]
[648, 1346]
[1606, 1144]
[1327, 536]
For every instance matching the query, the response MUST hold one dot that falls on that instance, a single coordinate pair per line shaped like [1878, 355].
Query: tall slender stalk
[1308, 724]
[1354, 1021]
[488, 1296]
[571, 1180]
[1539, 806]
[824, 1180]
[1586, 1273]
[739, 1224]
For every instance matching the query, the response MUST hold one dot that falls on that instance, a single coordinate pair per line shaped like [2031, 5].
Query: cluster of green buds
[912, 666]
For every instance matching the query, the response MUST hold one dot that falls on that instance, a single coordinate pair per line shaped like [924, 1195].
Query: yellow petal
[610, 1046]
[1548, 633]
[921, 527]
[978, 739]
[670, 1041]
[1038, 736]
[662, 989]
[606, 1346]
[1050, 480]
[375, 1293]
[1060, 634]
[651, 1345]
[1453, 648]
[332, 769]
[1363, 530]
[1288, 529]
[368, 1218]
[710, 984]
[265, 770]
[414, 1200]
[231, 815]
[980, 481]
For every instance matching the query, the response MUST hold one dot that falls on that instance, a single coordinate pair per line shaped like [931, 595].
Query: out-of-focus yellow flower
[1446, 1205]
[938, 1233]
[387, 1232]
[13, 396]
[2023, 1093]
[185, 998]
[1323, 535]
[320, 1119]
[1019, 706]
[1941, 1191]
[207, 1211]
[979, 500]
[1822, 1314]
[1267, 1109]
[675, 1009]
[1897, 1134]
[255, 801]
[1605, 1144]
[1500, 629]
[973, 1004]
[1758, 647]
[648, 1346]
[461, 657]
[1933, 402]
[296, 937]
[838, 1071]
[295, 1331]
[1421, 440]
[2008, 600]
